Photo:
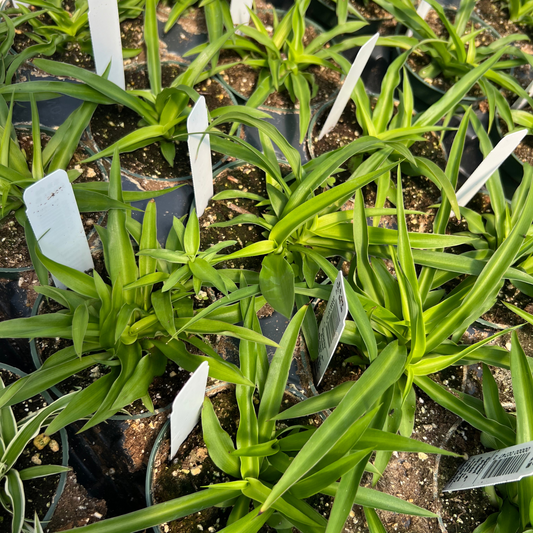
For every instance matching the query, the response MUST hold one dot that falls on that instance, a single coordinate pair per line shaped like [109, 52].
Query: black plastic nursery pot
[64, 451]
[53, 112]
[188, 32]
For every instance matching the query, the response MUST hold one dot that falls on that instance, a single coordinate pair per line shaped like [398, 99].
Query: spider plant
[259, 453]
[15, 436]
[70, 27]
[409, 316]
[282, 59]
[298, 215]
[520, 11]
[126, 323]
[495, 227]
[456, 56]
[500, 430]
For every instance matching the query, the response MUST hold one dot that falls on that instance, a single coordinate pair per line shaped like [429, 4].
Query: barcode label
[331, 327]
[493, 468]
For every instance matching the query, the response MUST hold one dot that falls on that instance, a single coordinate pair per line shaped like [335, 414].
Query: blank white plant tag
[105, 35]
[186, 408]
[200, 155]
[522, 102]
[331, 327]
[55, 219]
[16, 4]
[493, 468]
[239, 11]
[422, 10]
[489, 166]
[358, 65]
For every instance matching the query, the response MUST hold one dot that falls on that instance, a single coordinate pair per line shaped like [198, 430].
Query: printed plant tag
[488, 166]
[358, 65]
[55, 219]
[331, 327]
[105, 35]
[186, 407]
[493, 468]
[200, 155]
[239, 11]
[422, 11]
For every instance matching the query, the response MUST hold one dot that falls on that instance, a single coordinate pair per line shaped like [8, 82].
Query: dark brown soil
[464, 510]
[111, 123]
[39, 492]
[243, 178]
[76, 508]
[14, 252]
[193, 469]
[339, 370]
[418, 61]
[345, 131]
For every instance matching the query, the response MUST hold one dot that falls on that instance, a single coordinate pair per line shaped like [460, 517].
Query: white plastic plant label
[105, 35]
[358, 65]
[522, 102]
[422, 11]
[488, 166]
[55, 219]
[239, 11]
[186, 407]
[331, 327]
[493, 468]
[200, 155]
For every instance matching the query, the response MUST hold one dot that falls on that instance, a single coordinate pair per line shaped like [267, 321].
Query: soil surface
[369, 10]
[242, 178]
[111, 123]
[76, 508]
[40, 492]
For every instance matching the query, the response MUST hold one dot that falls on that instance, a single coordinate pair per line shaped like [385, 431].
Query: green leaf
[379, 376]
[80, 321]
[276, 280]
[277, 377]
[218, 442]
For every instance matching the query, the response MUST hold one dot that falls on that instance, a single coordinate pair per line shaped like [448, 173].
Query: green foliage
[263, 457]
[457, 55]
[14, 438]
[126, 322]
[282, 59]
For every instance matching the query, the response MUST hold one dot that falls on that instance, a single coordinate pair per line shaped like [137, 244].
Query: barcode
[330, 327]
[505, 466]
